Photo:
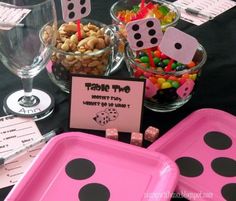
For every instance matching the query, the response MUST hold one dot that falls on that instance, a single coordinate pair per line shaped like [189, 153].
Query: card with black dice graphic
[100, 102]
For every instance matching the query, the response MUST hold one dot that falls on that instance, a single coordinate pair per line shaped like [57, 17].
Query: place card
[11, 16]
[98, 103]
[16, 132]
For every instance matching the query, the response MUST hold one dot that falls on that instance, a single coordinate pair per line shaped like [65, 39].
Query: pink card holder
[80, 167]
[204, 147]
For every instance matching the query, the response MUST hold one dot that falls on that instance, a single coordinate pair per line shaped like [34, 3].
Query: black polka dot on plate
[224, 166]
[178, 46]
[217, 140]
[71, 15]
[94, 192]
[83, 10]
[70, 6]
[135, 27]
[152, 32]
[154, 40]
[82, 2]
[189, 167]
[137, 36]
[139, 44]
[150, 24]
[80, 168]
[228, 191]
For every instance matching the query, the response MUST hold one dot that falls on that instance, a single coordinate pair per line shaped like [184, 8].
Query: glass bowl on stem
[24, 54]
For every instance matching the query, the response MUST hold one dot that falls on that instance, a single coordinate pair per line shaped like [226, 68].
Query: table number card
[98, 103]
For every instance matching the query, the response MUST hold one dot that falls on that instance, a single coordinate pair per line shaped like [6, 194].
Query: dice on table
[112, 133]
[151, 134]
[136, 139]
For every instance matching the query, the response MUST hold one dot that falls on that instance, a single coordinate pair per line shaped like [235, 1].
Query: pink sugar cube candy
[151, 134]
[112, 133]
[136, 139]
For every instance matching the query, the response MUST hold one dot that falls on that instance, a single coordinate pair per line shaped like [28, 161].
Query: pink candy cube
[136, 139]
[112, 133]
[151, 134]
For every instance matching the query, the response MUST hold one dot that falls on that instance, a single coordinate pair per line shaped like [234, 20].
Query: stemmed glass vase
[24, 53]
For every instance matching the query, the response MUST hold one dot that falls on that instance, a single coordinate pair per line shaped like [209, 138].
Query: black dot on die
[152, 32]
[189, 167]
[228, 191]
[137, 36]
[217, 140]
[178, 46]
[83, 10]
[150, 24]
[70, 6]
[135, 27]
[154, 40]
[82, 2]
[224, 166]
[139, 44]
[80, 168]
[71, 15]
[94, 192]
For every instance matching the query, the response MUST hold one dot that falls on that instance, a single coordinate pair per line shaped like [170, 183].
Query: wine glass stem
[28, 100]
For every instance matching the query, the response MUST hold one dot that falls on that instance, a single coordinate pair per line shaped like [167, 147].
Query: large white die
[75, 9]
[178, 45]
[144, 33]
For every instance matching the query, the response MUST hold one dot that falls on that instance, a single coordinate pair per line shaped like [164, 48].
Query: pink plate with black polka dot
[204, 147]
[81, 167]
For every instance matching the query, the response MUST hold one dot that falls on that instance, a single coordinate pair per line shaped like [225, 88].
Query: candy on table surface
[136, 139]
[73, 10]
[178, 45]
[112, 133]
[144, 33]
[151, 134]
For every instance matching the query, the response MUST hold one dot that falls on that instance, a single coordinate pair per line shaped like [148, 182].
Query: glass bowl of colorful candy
[168, 87]
[125, 11]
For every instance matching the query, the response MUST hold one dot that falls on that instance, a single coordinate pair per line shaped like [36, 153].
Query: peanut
[93, 40]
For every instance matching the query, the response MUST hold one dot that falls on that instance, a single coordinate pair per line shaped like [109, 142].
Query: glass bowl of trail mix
[125, 11]
[169, 84]
[92, 52]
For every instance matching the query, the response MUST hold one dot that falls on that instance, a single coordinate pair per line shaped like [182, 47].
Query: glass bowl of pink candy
[166, 90]
[125, 11]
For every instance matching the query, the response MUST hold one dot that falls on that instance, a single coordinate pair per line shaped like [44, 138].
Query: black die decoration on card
[144, 33]
[102, 118]
[75, 9]
[112, 112]
[185, 89]
[178, 45]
